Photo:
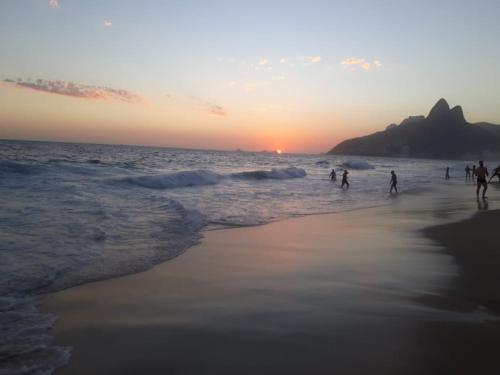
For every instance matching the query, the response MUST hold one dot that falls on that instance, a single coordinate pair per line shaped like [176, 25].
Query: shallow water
[75, 213]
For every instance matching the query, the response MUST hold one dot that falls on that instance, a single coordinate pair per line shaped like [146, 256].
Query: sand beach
[406, 288]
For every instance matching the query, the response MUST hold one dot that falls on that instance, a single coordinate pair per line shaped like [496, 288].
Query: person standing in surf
[467, 172]
[344, 179]
[333, 175]
[447, 176]
[481, 173]
[393, 182]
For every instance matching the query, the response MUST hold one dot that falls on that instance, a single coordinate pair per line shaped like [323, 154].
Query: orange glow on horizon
[29, 114]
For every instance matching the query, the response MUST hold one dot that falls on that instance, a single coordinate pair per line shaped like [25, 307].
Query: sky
[299, 76]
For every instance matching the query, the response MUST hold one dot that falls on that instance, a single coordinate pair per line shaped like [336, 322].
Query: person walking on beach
[496, 172]
[393, 182]
[344, 179]
[481, 173]
[473, 172]
[467, 172]
[333, 175]
[447, 176]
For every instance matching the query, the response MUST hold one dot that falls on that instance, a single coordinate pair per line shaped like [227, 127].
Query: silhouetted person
[344, 179]
[467, 172]
[394, 182]
[474, 172]
[481, 173]
[496, 172]
[333, 175]
[447, 176]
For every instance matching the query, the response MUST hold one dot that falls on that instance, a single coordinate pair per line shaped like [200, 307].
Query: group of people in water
[333, 177]
[478, 174]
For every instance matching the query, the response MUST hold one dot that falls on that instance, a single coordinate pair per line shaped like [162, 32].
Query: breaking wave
[176, 180]
[359, 165]
[205, 177]
[275, 174]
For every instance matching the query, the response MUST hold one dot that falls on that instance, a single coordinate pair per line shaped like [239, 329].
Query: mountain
[443, 134]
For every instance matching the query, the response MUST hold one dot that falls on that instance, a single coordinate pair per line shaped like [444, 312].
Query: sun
[278, 151]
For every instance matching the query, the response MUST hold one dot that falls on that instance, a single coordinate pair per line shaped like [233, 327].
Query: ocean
[76, 213]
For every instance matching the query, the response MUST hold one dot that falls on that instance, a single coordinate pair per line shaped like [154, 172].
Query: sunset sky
[296, 75]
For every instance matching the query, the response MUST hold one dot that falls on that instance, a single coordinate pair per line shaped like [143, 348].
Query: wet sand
[352, 293]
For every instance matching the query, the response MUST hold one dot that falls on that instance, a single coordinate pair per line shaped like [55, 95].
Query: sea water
[75, 213]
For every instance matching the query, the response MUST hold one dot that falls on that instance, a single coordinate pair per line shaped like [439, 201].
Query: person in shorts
[481, 173]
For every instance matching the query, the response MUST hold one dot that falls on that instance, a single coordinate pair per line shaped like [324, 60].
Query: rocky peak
[457, 115]
[440, 109]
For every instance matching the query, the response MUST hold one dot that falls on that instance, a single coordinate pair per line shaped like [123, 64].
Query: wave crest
[205, 177]
[175, 180]
[359, 165]
[275, 174]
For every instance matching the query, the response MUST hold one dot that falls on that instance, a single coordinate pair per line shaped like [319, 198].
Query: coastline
[314, 293]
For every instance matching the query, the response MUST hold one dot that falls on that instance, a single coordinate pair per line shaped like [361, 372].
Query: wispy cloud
[75, 90]
[283, 60]
[313, 59]
[54, 3]
[354, 62]
[198, 103]
[211, 108]
[108, 23]
[217, 110]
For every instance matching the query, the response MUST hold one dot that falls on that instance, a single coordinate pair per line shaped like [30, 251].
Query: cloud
[75, 90]
[283, 60]
[54, 3]
[108, 23]
[355, 62]
[313, 59]
[216, 109]
[190, 101]
[263, 61]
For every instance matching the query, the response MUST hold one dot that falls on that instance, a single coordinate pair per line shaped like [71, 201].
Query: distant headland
[443, 134]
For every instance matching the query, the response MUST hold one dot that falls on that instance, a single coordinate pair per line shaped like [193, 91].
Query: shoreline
[473, 243]
[272, 285]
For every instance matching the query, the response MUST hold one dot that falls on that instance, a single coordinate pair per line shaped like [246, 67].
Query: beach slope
[351, 293]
